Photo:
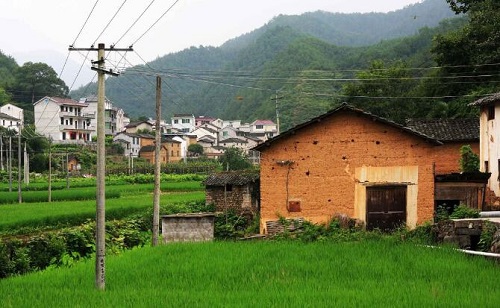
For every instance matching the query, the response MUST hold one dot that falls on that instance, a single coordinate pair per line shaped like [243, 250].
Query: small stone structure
[463, 232]
[234, 190]
[193, 227]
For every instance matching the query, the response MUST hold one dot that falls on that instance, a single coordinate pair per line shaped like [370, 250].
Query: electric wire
[143, 34]
[110, 21]
[133, 24]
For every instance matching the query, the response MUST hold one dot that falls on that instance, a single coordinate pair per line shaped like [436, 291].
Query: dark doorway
[445, 207]
[385, 207]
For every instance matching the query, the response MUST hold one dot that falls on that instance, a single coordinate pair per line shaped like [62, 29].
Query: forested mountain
[306, 61]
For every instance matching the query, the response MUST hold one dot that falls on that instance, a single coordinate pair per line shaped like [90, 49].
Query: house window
[63, 136]
[491, 112]
[259, 126]
[486, 166]
[225, 134]
[62, 121]
[185, 121]
[229, 187]
[176, 121]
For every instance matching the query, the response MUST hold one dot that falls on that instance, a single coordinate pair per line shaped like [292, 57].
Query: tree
[469, 161]
[4, 96]
[469, 56]
[463, 6]
[378, 87]
[36, 80]
[196, 149]
[234, 159]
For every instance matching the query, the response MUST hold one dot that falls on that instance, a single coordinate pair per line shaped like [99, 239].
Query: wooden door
[385, 207]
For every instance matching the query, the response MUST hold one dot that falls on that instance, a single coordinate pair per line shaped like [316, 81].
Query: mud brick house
[234, 190]
[453, 188]
[351, 162]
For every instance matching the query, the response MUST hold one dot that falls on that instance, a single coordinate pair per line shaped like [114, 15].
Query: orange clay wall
[325, 156]
[447, 156]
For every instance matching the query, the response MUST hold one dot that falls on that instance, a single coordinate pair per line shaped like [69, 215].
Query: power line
[142, 35]
[76, 38]
[110, 21]
[133, 24]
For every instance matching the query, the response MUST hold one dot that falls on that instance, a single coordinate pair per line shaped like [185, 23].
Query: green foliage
[44, 249]
[371, 273]
[57, 195]
[487, 236]
[468, 54]
[463, 211]
[66, 246]
[36, 80]
[234, 159]
[4, 96]
[469, 161]
[195, 148]
[305, 58]
[230, 225]
[375, 89]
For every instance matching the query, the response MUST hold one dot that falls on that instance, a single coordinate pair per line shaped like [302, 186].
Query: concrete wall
[188, 227]
[326, 167]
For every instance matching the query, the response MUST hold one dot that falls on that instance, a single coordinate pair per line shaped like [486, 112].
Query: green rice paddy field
[375, 273]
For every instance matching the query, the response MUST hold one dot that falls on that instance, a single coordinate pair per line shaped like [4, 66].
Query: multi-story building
[9, 122]
[185, 123]
[130, 142]
[489, 135]
[114, 117]
[11, 116]
[64, 120]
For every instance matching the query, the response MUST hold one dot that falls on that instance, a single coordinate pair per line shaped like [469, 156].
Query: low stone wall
[188, 227]
[466, 233]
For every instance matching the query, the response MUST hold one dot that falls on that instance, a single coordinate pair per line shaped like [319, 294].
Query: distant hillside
[241, 78]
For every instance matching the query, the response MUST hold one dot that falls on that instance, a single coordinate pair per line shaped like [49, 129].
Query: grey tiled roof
[447, 130]
[487, 100]
[232, 178]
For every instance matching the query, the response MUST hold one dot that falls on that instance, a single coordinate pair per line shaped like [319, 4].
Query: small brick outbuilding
[234, 190]
[351, 162]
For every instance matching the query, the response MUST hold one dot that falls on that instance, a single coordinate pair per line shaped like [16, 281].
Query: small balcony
[76, 129]
[79, 115]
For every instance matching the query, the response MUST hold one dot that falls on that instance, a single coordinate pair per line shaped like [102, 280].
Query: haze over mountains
[300, 59]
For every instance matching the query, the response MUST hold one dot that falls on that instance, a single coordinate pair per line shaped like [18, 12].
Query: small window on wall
[486, 166]
[491, 112]
[229, 187]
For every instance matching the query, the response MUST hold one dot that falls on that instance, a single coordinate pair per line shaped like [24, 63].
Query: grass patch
[89, 193]
[381, 273]
[40, 215]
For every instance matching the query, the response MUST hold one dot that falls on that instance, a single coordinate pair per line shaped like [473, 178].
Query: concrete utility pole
[100, 266]
[19, 195]
[1, 152]
[50, 170]
[157, 191]
[26, 166]
[277, 114]
[67, 169]
[10, 163]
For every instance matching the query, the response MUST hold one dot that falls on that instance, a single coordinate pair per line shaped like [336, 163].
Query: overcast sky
[42, 30]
